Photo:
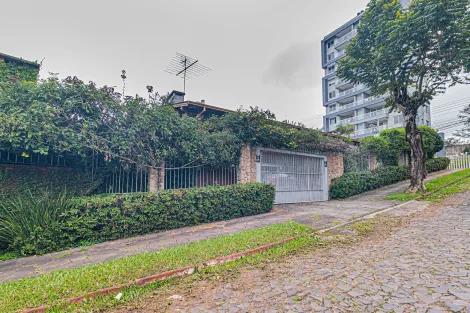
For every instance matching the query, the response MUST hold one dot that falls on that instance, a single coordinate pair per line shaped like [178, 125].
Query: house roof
[19, 60]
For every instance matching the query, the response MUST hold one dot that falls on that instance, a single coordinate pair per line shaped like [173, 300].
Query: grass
[134, 294]
[51, 288]
[436, 184]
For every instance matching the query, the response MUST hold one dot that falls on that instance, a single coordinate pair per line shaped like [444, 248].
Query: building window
[332, 94]
[331, 69]
[427, 123]
[331, 44]
[331, 56]
[332, 120]
[398, 119]
[332, 82]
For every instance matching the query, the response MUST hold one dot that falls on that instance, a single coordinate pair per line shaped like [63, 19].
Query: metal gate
[298, 177]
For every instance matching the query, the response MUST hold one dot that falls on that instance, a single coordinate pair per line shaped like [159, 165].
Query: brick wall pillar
[335, 166]
[372, 162]
[247, 165]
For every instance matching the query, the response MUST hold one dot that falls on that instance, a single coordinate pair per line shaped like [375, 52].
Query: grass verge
[52, 288]
[436, 184]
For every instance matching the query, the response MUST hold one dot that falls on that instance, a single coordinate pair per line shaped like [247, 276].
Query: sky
[263, 53]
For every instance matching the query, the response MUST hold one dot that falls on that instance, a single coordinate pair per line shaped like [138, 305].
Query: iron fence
[133, 179]
[7, 157]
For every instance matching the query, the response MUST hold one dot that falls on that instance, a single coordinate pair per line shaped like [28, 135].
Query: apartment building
[346, 103]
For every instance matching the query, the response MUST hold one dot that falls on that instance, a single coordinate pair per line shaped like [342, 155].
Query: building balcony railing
[354, 104]
[371, 130]
[349, 91]
[345, 38]
[358, 118]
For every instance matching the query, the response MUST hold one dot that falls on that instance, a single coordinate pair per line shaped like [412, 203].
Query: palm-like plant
[21, 216]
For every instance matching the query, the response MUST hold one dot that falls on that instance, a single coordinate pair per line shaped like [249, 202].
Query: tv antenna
[186, 68]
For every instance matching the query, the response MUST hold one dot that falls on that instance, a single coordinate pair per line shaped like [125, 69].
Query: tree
[390, 143]
[410, 54]
[70, 116]
[345, 130]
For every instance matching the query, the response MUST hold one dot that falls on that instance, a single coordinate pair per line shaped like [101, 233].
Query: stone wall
[247, 165]
[335, 166]
[372, 162]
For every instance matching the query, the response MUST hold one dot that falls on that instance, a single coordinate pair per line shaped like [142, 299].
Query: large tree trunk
[418, 157]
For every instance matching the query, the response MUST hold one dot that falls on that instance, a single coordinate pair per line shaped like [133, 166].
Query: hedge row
[102, 218]
[437, 164]
[351, 184]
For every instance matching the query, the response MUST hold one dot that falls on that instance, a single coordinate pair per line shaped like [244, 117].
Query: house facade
[347, 103]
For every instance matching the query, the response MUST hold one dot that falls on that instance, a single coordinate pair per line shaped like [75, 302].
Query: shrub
[23, 216]
[351, 184]
[437, 164]
[102, 218]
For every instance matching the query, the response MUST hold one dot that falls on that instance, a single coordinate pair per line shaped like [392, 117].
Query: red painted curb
[188, 270]
[236, 256]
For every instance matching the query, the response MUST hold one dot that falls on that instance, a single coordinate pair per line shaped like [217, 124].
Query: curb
[371, 215]
[184, 271]
[189, 270]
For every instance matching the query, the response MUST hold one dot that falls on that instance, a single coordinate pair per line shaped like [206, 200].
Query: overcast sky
[262, 53]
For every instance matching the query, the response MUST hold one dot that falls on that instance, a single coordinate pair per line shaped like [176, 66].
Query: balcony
[350, 91]
[358, 103]
[337, 55]
[370, 131]
[373, 114]
[347, 121]
[340, 41]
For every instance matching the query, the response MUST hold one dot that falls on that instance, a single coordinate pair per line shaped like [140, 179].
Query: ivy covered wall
[17, 71]
[18, 180]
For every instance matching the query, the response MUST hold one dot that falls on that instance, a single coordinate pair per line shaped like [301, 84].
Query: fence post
[161, 176]
[153, 177]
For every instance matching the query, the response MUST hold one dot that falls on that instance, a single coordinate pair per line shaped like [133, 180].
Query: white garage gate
[298, 177]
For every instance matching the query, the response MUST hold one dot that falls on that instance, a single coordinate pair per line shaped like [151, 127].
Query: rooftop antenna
[186, 68]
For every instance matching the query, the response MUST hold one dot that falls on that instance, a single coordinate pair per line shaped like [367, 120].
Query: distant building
[12, 68]
[346, 103]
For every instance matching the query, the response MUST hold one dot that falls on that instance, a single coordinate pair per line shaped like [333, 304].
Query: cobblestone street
[424, 267]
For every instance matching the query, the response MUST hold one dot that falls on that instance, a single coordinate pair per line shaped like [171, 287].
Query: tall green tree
[411, 55]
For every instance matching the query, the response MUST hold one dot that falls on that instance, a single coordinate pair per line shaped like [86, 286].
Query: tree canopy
[390, 143]
[410, 55]
[73, 117]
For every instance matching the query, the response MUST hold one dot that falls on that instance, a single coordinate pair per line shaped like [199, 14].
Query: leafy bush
[102, 218]
[22, 180]
[437, 164]
[23, 216]
[391, 142]
[351, 184]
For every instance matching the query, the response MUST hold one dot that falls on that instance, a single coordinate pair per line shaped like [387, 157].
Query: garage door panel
[297, 177]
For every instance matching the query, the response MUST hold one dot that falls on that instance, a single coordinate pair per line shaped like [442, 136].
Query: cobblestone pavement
[317, 215]
[423, 267]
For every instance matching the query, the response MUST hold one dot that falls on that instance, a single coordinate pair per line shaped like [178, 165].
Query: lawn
[52, 288]
[436, 184]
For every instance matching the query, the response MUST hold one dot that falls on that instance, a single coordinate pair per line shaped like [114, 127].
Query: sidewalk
[317, 215]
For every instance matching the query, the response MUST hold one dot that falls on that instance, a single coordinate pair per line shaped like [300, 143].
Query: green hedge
[102, 218]
[19, 180]
[437, 164]
[351, 184]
